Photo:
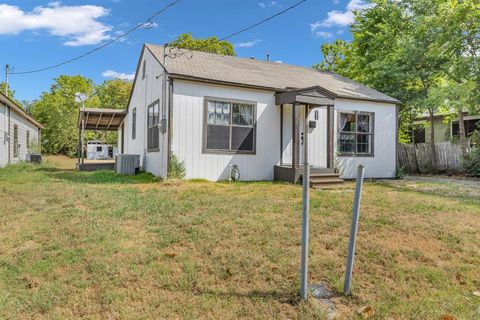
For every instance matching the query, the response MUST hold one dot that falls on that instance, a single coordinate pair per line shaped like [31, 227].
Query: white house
[18, 132]
[213, 111]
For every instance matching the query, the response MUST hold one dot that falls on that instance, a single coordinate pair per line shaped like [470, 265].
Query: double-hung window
[153, 133]
[356, 133]
[230, 126]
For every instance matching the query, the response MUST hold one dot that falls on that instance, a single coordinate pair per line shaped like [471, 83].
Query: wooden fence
[418, 158]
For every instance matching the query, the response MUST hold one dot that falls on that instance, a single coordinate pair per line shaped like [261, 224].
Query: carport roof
[101, 119]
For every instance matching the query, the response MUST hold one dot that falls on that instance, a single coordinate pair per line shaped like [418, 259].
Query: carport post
[354, 229]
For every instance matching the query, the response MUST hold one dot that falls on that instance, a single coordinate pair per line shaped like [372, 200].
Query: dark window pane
[218, 137]
[363, 143]
[347, 142]
[242, 138]
[152, 138]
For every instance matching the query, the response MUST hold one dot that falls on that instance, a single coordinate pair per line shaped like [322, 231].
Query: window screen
[230, 126]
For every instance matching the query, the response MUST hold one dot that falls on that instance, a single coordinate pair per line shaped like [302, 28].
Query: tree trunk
[432, 139]
[461, 132]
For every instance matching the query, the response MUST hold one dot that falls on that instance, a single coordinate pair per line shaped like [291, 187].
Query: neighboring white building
[213, 111]
[18, 131]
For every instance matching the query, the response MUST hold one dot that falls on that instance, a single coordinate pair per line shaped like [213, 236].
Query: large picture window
[153, 133]
[230, 126]
[356, 133]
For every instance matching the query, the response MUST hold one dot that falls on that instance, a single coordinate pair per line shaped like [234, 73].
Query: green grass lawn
[100, 246]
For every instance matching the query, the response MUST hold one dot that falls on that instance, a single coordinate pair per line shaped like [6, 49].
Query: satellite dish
[80, 97]
[330, 58]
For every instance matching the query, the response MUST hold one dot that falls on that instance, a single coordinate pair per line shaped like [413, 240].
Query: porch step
[323, 179]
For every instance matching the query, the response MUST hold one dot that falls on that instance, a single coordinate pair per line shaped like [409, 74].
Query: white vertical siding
[145, 92]
[3, 137]
[23, 126]
[187, 137]
[383, 163]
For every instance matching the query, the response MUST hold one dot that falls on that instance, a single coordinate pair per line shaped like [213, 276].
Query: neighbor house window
[144, 69]
[153, 131]
[355, 133]
[230, 126]
[134, 123]
[15, 141]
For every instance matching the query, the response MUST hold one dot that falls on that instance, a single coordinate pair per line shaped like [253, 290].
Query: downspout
[170, 122]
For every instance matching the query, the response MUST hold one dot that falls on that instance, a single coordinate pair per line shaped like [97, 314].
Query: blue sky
[36, 34]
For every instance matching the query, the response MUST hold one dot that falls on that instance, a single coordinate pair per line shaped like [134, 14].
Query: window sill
[153, 150]
[226, 152]
[354, 155]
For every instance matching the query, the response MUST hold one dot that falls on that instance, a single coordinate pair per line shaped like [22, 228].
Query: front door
[317, 136]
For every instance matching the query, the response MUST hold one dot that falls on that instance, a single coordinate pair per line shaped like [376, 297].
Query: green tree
[114, 94]
[58, 112]
[393, 50]
[210, 44]
[11, 93]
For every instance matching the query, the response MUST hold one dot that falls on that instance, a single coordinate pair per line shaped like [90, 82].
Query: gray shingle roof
[263, 74]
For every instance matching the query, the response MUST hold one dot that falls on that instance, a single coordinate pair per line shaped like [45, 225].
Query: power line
[146, 24]
[263, 21]
[183, 51]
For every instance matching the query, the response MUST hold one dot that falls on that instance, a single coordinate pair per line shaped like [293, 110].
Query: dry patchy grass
[99, 246]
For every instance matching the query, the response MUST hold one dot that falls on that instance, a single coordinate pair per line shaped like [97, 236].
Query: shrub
[176, 168]
[400, 172]
[471, 162]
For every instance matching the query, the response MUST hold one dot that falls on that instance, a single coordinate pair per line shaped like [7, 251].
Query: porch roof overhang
[101, 119]
[308, 96]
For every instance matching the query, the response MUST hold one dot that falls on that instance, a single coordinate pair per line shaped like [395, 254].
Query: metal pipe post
[305, 213]
[354, 229]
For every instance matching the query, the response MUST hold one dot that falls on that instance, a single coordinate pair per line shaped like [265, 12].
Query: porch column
[281, 135]
[295, 134]
[330, 137]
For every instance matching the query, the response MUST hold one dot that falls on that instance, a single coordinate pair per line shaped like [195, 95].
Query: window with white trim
[355, 133]
[230, 126]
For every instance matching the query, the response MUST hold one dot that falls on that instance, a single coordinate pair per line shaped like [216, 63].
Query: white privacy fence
[418, 158]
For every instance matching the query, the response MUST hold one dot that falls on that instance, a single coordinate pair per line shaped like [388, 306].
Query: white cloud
[79, 25]
[323, 34]
[341, 18]
[265, 4]
[118, 75]
[247, 44]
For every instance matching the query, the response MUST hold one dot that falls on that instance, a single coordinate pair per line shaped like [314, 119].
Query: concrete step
[324, 175]
[317, 181]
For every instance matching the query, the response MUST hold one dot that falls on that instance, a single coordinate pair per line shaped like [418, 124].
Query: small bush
[471, 162]
[400, 172]
[176, 168]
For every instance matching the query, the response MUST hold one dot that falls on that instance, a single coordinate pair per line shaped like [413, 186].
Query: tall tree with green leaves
[58, 112]
[113, 94]
[210, 44]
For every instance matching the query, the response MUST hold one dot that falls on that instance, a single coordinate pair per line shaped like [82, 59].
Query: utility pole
[7, 70]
